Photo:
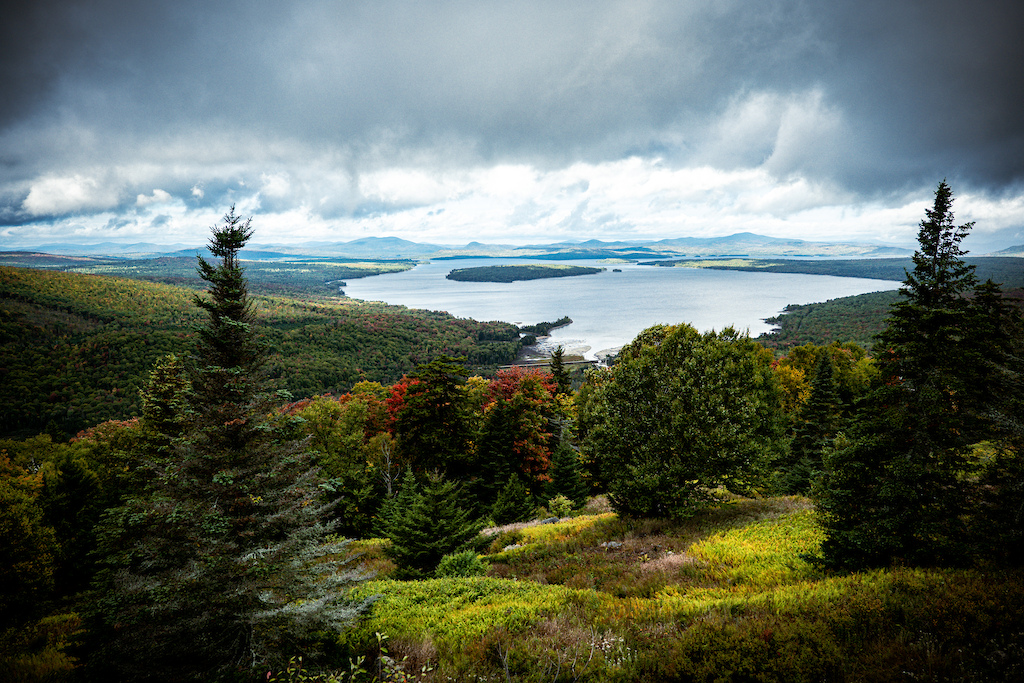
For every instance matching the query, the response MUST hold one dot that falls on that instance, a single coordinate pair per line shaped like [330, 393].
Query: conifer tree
[221, 562]
[166, 402]
[565, 476]
[426, 524]
[818, 423]
[558, 371]
[513, 504]
[433, 425]
[902, 491]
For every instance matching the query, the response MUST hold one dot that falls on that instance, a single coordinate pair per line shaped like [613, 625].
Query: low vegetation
[726, 595]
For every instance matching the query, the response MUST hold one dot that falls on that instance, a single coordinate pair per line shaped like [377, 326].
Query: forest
[707, 508]
[1006, 270]
[75, 349]
[518, 273]
[296, 276]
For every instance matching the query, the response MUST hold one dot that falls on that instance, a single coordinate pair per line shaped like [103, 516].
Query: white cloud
[405, 186]
[275, 185]
[68, 194]
[158, 197]
[324, 199]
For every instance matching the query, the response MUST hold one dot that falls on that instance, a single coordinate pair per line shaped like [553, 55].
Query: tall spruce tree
[565, 476]
[220, 565]
[900, 491]
[558, 371]
[817, 426]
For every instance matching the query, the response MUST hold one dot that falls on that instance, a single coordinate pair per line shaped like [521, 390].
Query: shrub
[466, 563]
[560, 506]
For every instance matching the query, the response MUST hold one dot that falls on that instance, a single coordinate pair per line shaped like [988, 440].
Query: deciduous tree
[681, 414]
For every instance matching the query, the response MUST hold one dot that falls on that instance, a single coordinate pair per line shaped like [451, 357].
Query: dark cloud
[875, 97]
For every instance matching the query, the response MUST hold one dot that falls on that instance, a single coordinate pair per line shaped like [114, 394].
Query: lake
[609, 309]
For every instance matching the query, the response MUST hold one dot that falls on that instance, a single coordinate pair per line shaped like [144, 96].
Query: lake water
[609, 309]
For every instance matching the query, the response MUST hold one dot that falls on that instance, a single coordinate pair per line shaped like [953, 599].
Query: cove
[610, 308]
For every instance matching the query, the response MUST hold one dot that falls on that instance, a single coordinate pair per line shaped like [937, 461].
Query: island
[514, 273]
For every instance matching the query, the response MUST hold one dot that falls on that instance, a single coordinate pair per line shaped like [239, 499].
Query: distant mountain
[134, 249]
[1010, 251]
[744, 244]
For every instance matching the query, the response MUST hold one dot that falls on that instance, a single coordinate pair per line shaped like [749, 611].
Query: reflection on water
[609, 309]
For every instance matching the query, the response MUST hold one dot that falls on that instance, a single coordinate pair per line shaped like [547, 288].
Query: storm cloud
[510, 122]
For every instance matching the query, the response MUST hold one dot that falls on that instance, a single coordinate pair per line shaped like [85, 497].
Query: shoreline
[545, 346]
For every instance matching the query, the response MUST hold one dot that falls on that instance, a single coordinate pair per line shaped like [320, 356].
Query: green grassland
[729, 595]
[75, 349]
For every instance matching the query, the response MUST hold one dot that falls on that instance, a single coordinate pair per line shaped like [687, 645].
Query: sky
[509, 122]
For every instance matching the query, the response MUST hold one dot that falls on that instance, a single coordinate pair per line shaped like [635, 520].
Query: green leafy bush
[466, 563]
[560, 506]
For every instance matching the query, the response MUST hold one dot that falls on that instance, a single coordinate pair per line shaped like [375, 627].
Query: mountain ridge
[738, 244]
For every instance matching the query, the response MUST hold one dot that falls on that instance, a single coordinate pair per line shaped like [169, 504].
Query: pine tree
[221, 561]
[565, 476]
[228, 357]
[558, 371]
[513, 504]
[901, 491]
[428, 524]
[818, 423]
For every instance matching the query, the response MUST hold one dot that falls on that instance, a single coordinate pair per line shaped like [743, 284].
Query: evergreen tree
[513, 504]
[428, 524]
[433, 424]
[901, 491]
[818, 423]
[515, 435]
[228, 357]
[71, 501]
[221, 562]
[558, 371]
[167, 402]
[28, 549]
[396, 505]
[565, 476]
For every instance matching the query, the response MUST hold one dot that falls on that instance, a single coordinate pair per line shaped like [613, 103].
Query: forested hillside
[1004, 270]
[74, 349]
[850, 318]
[294, 276]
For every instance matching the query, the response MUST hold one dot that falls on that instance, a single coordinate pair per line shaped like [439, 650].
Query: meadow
[732, 594]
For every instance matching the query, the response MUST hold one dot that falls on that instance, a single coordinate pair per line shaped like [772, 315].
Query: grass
[727, 595]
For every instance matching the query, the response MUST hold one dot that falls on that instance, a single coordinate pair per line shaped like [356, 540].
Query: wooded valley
[229, 483]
